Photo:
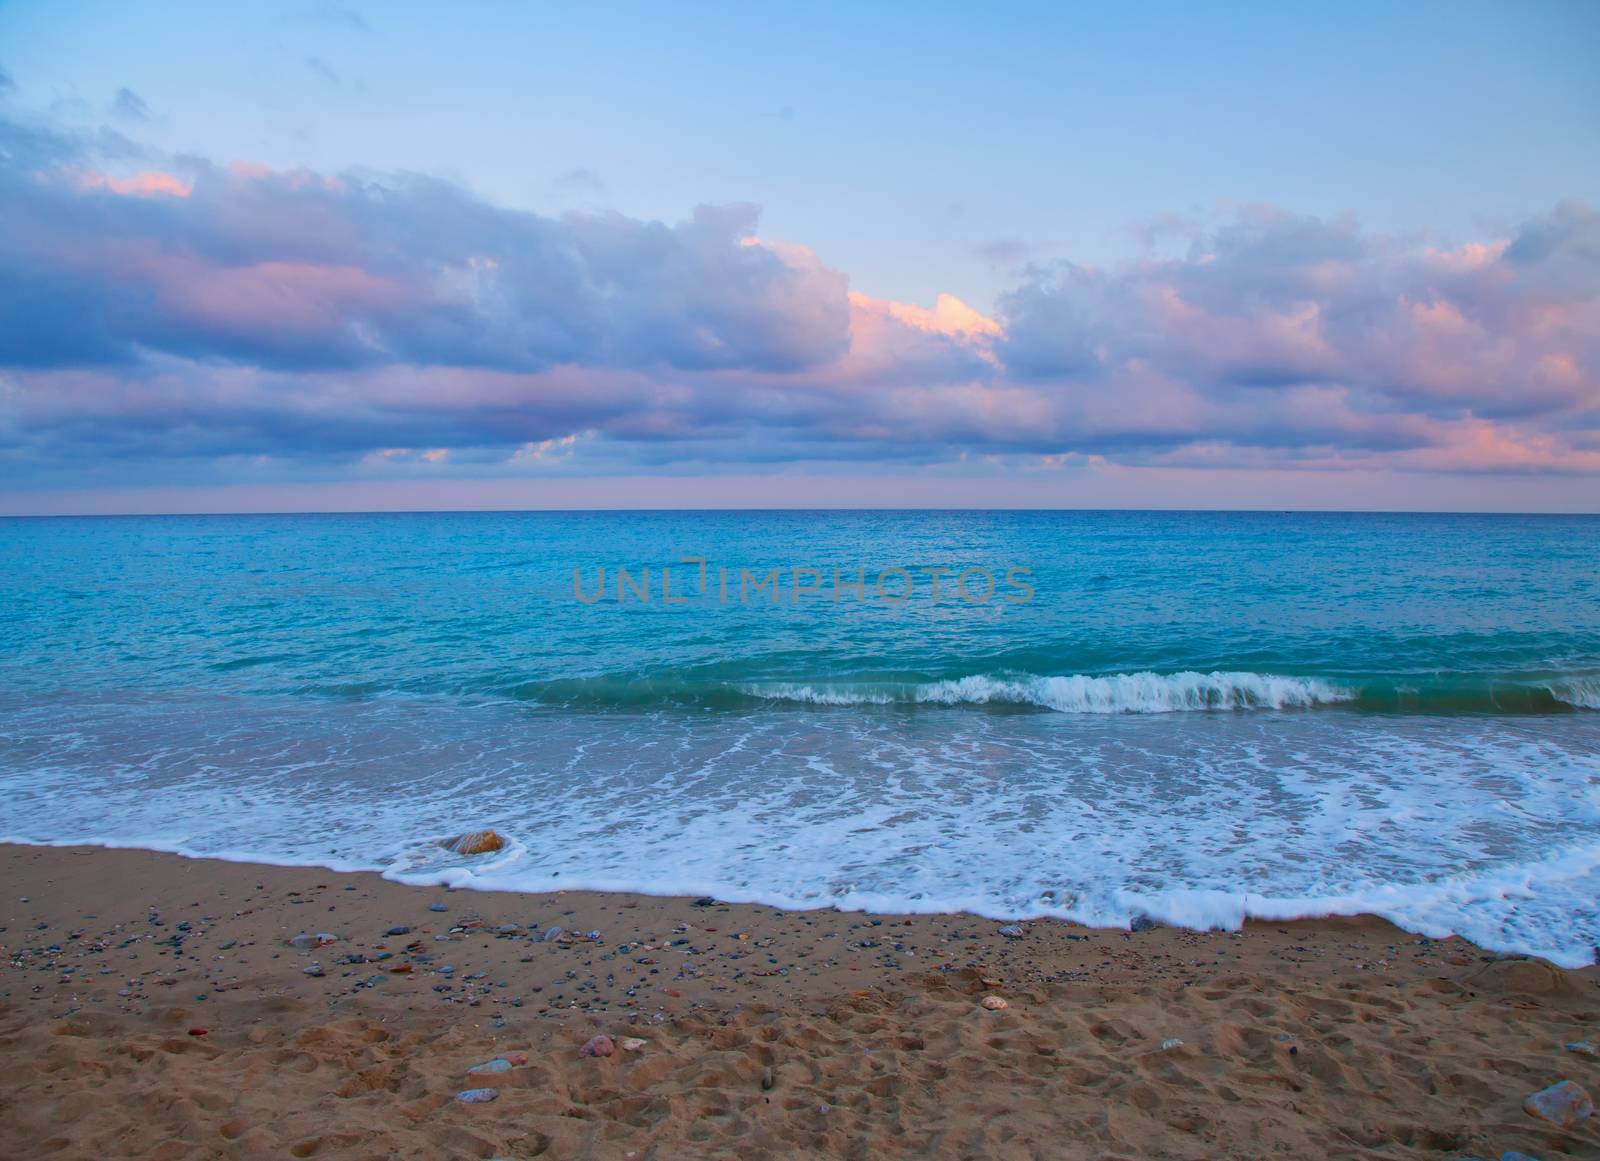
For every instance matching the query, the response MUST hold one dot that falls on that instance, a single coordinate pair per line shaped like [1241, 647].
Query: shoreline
[1332, 1037]
[1227, 919]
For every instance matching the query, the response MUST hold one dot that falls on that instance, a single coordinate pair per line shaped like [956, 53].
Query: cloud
[130, 106]
[340, 15]
[1005, 252]
[582, 181]
[1274, 308]
[298, 271]
[332, 78]
[191, 318]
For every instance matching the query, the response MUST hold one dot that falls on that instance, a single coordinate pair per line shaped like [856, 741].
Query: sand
[151, 1006]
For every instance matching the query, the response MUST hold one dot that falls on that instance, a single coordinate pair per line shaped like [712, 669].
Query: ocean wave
[744, 686]
[1119, 693]
[1580, 692]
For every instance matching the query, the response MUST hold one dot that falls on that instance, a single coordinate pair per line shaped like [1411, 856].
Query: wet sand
[155, 1007]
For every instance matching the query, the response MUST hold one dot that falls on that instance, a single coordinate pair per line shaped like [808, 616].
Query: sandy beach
[158, 1007]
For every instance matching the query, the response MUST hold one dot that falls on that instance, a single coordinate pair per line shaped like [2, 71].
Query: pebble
[313, 969]
[766, 1077]
[1563, 1104]
[1011, 931]
[306, 941]
[1583, 1048]
[1143, 923]
[1171, 1043]
[552, 935]
[401, 930]
[498, 1064]
[437, 907]
[475, 842]
[600, 1045]
[477, 1096]
[995, 1004]
[631, 1043]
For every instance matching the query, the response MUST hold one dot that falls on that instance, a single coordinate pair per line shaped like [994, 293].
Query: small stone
[199, 1031]
[517, 1058]
[600, 1045]
[1563, 1104]
[1011, 931]
[478, 1096]
[1169, 1044]
[313, 969]
[631, 1043]
[475, 842]
[766, 1077]
[1513, 1155]
[995, 1004]
[1142, 923]
[552, 935]
[1583, 1048]
[704, 901]
[401, 930]
[437, 907]
[498, 1064]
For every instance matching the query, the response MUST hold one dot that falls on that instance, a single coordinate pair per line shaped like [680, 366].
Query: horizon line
[1285, 511]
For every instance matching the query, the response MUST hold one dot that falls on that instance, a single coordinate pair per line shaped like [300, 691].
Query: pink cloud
[141, 186]
[242, 312]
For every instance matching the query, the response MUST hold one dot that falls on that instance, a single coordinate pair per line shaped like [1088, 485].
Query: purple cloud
[192, 318]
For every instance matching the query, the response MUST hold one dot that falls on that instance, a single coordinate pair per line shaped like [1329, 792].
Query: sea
[1196, 718]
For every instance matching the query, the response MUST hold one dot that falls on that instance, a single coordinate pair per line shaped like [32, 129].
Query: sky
[327, 256]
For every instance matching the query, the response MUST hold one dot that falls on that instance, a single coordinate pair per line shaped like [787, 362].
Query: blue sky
[914, 151]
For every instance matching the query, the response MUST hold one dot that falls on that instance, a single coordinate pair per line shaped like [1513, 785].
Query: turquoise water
[1193, 716]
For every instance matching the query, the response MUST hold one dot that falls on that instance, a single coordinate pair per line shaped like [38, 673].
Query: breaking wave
[1580, 692]
[1120, 693]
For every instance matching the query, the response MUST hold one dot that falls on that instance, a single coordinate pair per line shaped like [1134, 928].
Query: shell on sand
[474, 842]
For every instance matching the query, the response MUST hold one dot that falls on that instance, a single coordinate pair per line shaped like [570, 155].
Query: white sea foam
[1485, 827]
[1120, 693]
[1581, 692]
[823, 694]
